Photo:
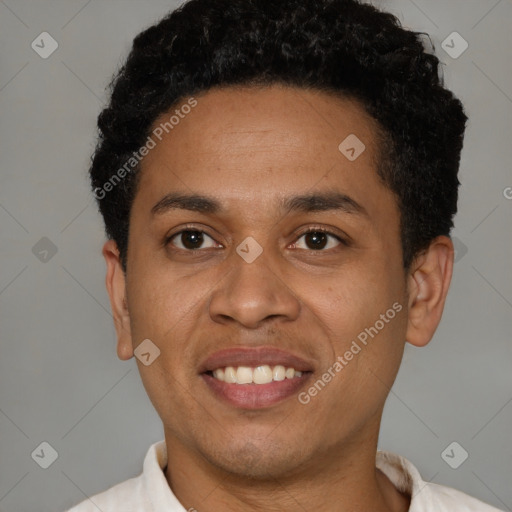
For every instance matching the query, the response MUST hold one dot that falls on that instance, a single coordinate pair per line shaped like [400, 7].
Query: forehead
[252, 144]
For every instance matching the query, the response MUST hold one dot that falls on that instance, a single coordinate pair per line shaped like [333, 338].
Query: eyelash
[318, 229]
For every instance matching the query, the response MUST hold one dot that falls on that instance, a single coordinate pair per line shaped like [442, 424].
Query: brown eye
[315, 240]
[191, 240]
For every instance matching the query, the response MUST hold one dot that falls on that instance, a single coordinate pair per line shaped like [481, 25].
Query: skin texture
[249, 148]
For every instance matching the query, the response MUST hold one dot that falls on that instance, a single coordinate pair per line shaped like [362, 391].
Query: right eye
[190, 240]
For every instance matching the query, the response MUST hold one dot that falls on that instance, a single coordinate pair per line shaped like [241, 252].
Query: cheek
[366, 357]
[167, 310]
[171, 396]
[364, 314]
[354, 297]
[158, 301]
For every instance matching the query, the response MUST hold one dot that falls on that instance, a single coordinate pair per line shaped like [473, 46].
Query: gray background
[60, 379]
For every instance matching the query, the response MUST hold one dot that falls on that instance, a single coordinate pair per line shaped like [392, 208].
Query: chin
[248, 459]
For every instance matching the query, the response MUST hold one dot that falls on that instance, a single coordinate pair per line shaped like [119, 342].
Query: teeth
[260, 375]
[229, 375]
[219, 374]
[244, 375]
[279, 372]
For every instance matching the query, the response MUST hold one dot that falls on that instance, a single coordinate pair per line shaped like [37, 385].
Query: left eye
[317, 239]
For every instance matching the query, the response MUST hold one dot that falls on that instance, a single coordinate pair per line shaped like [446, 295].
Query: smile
[256, 377]
[260, 375]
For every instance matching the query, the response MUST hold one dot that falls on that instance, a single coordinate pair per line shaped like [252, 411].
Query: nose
[252, 293]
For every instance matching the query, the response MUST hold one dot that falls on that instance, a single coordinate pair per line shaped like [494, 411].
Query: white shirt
[150, 492]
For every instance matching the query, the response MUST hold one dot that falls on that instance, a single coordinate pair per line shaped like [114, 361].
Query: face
[292, 258]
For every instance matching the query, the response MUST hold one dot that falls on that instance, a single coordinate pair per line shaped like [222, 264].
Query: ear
[428, 283]
[115, 281]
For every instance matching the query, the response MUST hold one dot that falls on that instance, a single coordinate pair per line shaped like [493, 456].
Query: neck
[343, 480]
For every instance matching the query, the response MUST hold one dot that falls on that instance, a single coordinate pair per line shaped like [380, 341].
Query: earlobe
[428, 285]
[115, 281]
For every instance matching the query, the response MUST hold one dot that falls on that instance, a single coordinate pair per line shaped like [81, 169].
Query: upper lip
[254, 357]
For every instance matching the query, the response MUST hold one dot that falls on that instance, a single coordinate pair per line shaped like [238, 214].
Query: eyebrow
[306, 203]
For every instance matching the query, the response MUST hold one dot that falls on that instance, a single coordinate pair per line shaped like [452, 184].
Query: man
[278, 182]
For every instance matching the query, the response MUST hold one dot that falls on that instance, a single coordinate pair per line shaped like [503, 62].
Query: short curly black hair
[343, 46]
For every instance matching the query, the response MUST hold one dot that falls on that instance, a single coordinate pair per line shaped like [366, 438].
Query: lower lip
[255, 396]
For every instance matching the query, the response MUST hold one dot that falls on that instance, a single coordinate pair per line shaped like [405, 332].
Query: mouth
[254, 378]
[264, 374]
